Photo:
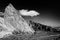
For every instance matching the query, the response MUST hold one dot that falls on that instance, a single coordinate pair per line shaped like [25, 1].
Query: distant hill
[40, 27]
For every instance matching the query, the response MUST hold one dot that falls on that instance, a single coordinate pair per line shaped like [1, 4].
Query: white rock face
[12, 21]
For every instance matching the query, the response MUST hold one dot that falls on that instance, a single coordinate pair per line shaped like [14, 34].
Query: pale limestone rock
[12, 22]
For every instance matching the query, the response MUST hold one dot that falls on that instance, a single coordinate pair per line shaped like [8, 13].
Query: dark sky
[49, 11]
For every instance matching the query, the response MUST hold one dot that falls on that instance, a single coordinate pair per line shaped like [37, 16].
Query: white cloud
[28, 13]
